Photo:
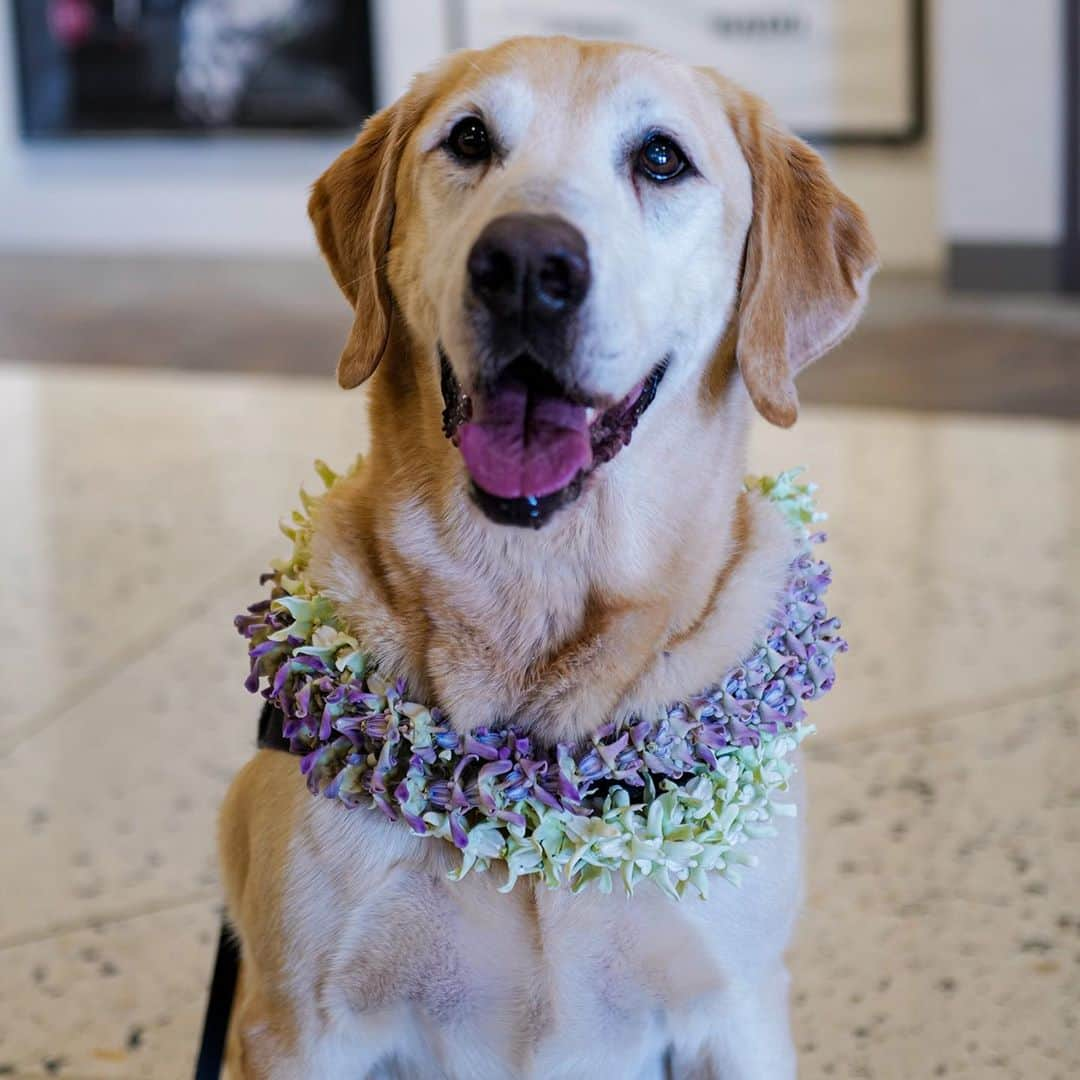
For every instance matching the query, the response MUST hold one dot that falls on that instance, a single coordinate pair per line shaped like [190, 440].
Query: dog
[549, 246]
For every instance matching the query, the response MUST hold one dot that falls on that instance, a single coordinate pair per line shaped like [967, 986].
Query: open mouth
[528, 443]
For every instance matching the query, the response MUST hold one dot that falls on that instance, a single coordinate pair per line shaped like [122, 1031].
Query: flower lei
[669, 797]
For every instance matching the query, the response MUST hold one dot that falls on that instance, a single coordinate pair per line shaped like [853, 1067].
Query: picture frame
[839, 72]
[191, 67]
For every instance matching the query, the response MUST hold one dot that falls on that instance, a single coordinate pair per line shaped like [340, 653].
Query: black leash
[219, 1005]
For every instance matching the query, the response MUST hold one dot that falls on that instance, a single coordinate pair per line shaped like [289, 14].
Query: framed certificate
[837, 71]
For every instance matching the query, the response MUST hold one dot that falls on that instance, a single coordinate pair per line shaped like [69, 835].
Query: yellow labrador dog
[547, 245]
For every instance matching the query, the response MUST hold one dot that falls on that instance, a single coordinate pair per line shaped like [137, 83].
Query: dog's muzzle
[528, 446]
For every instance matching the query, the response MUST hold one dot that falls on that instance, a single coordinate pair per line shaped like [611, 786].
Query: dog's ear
[808, 261]
[352, 207]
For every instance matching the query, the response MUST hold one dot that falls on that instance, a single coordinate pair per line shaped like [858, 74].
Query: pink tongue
[521, 443]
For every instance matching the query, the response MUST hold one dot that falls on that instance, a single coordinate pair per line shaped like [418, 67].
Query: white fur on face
[664, 257]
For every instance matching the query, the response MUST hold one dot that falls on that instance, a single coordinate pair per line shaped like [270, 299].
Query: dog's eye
[468, 140]
[660, 158]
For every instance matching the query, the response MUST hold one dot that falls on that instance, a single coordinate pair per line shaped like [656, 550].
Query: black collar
[270, 735]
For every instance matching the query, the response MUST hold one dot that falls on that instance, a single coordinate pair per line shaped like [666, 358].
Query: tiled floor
[942, 932]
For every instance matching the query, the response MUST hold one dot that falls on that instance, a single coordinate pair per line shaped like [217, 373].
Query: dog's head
[567, 233]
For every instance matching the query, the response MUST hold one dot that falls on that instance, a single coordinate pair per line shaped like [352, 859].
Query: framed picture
[836, 71]
[120, 66]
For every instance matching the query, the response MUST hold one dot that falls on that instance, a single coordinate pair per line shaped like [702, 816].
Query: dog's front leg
[745, 1036]
[258, 1051]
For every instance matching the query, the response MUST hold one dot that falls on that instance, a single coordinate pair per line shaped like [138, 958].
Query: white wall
[999, 109]
[248, 195]
[897, 189]
[215, 195]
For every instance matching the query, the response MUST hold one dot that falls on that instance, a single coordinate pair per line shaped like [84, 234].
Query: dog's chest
[493, 984]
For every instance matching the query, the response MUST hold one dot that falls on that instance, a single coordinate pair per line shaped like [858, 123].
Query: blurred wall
[1001, 118]
[897, 188]
[248, 195]
[150, 194]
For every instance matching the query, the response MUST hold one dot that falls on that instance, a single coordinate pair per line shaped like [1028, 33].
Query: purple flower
[458, 833]
[355, 736]
[439, 794]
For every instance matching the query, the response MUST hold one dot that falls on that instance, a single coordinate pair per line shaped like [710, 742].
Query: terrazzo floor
[942, 929]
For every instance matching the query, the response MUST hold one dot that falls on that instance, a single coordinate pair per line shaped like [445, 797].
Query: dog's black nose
[530, 266]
